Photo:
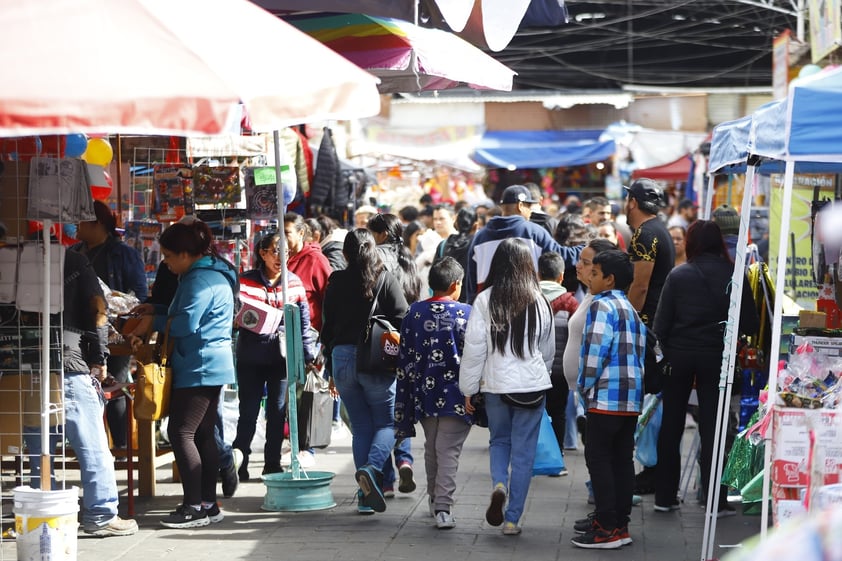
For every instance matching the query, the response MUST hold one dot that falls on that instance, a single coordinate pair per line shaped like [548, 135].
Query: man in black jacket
[85, 350]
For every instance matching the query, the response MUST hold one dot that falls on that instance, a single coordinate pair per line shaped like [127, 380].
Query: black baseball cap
[514, 194]
[646, 191]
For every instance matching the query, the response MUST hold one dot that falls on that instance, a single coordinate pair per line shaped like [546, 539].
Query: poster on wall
[59, 190]
[173, 191]
[799, 283]
[218, 185]
[262, 190]
[143, 236]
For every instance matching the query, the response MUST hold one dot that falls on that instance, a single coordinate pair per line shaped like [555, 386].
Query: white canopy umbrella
[163, 66]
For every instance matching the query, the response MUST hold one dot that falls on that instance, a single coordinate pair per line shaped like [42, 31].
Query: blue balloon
[75, 145]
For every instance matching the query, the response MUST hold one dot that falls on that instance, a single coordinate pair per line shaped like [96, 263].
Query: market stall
[793, 135]
[199, 80]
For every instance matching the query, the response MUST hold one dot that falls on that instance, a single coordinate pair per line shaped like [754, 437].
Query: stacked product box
[806, 454]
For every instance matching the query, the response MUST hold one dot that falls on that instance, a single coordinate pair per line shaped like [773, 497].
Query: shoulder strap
[380, 282]
[165, 349]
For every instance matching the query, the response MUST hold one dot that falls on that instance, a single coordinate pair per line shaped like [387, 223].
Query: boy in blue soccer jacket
[432, 339]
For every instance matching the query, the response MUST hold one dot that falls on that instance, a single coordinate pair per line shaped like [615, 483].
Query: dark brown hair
[194, 238]
[704, 236]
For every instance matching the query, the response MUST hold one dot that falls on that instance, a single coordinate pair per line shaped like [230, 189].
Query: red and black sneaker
[625, 537]
[585, 525]
[598, 538]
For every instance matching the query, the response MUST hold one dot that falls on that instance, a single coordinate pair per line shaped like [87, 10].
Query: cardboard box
[808, 318]
[828, 346]
[791, 445]
[20, 405]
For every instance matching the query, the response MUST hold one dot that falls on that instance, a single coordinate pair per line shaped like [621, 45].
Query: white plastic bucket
[46, 523]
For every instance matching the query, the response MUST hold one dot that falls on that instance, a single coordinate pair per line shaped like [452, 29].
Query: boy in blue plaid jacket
[611, 383]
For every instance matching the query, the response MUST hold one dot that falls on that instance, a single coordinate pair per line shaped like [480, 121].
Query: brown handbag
[154, 384]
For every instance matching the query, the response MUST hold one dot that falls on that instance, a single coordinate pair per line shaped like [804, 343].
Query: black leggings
[556, 405]
[193, 416]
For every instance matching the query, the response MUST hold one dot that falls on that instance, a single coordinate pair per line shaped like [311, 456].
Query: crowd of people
[502, 309]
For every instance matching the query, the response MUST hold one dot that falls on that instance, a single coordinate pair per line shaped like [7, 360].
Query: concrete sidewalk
[405, 530]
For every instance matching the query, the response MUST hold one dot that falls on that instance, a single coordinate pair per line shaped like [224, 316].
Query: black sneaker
[272, 468]
[673, 505]
[242, 471]
[406, 483]
[186, 516]
[494, 513]
[599, 538]
[584, 525]
[644, 482]
[726, 511]
[214, 514]
[230, 478]
[367, 478]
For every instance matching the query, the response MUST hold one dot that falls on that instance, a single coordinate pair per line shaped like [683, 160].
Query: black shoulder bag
[378, 348]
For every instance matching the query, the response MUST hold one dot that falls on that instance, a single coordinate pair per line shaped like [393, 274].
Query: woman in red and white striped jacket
[259, 358]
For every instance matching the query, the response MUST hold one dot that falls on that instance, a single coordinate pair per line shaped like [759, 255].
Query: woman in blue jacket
[200, 324]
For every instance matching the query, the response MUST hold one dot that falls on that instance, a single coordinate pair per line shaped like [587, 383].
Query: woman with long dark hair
[200, 324]
[387, 230]
[259, 360]
[369, 397]
[690, 323]
[509, 349]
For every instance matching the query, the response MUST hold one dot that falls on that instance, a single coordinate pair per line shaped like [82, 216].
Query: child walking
[432, 338]
[611, 382]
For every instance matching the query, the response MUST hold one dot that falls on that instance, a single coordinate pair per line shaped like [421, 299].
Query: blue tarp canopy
[541, 149]
[815, 104]
[729, 145]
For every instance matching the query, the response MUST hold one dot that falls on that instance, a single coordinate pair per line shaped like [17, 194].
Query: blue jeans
[370, 402]
[226, 457]
[507, 424]
[83, 407]
[571, 433]
[251, 378]
[402, 453]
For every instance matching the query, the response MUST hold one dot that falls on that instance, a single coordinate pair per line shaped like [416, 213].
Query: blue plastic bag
[648, 427]
[548, 458]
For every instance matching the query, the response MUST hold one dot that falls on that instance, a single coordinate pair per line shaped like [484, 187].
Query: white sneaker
[237, 454]
[445, 521]
[306, 459]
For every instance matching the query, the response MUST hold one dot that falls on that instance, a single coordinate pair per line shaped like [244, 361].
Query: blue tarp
[799, 128]
[542, 149]
[813, 130]
[729, 145]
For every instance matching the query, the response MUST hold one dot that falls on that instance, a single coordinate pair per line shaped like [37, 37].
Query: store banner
[825, 28]
[445, 144]
[799, 284]
[780, 64]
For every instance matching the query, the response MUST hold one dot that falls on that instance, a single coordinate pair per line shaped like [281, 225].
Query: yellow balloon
[99, 152]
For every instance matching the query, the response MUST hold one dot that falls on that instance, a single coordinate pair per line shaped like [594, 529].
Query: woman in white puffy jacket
[509, 348]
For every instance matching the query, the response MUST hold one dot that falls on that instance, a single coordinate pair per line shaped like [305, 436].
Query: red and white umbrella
[166, 66]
